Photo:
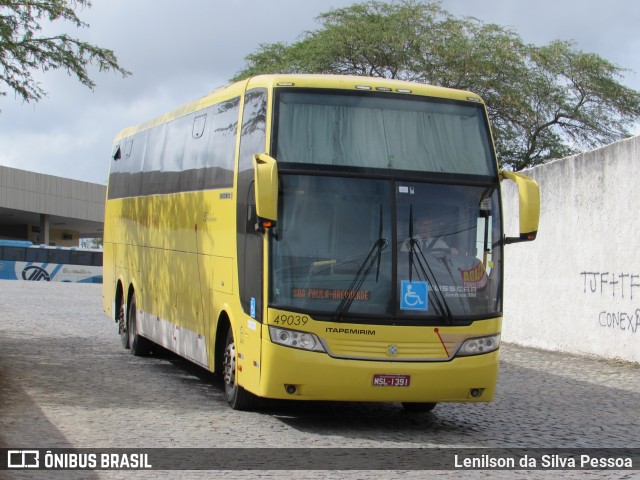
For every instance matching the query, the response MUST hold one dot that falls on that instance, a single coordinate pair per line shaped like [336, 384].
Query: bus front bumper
[303, 375]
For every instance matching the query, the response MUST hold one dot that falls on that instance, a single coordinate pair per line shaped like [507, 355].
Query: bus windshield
[347, 247]
[381, 131]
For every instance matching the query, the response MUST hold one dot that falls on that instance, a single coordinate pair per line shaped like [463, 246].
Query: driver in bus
[423, 234]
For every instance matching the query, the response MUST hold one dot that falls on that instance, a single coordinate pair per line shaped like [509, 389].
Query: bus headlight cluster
[478, 346]
[295, 339]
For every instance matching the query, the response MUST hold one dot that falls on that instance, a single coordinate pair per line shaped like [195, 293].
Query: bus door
[250, 242]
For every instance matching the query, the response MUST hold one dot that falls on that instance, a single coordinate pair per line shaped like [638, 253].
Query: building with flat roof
[49, 210]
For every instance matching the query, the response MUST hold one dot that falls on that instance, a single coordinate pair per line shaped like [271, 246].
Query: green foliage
[96, 243]
[23, 49]
[543, 102]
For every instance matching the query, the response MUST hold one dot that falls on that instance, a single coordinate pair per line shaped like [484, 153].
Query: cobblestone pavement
[65, 381]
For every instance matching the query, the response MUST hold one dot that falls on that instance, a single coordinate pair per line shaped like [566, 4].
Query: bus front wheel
[237, 397]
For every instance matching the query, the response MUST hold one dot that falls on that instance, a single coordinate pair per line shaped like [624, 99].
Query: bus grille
[390, 351]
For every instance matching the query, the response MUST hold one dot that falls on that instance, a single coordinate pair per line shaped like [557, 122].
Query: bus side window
[16, 254]
[133, 181]
[127, 148]
[222, 144]
[126, 171]
[59, 256]
[198, 126]
[80, 258]
[152, 164]
[172, 154]
[37, 255]
[194, 156]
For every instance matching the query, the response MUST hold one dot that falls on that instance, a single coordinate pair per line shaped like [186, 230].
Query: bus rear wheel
[140, 346]
[237, 397]
[122, 323]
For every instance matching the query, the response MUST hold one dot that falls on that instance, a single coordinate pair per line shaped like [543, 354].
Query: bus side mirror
[529, 197]
[266, 186]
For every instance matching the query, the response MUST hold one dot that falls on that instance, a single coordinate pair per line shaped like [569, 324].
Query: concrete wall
[577, 287]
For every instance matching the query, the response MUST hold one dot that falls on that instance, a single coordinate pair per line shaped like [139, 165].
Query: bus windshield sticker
[330, 294]
[475, 277]
[414, 296]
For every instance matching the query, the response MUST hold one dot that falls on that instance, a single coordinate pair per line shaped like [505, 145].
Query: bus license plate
[385, 380]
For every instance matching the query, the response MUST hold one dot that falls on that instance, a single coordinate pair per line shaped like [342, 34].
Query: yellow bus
[312, 237]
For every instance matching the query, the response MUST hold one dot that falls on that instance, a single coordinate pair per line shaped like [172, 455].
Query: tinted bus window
[195, 155]
[126, 171]
[37, 255]
[223, 144]
[174, 143]
[152, 170]
[59, 256]
[16, 254]
[81, 258]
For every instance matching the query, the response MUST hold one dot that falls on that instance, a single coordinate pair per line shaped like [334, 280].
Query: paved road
[65, 381]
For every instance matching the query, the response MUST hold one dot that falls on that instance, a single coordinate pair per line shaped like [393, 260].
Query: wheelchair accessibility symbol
[414, 295]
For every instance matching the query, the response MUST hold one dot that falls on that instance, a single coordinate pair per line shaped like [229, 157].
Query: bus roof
[340, 82]
[352, 82]
[15, 243]
[29, 244]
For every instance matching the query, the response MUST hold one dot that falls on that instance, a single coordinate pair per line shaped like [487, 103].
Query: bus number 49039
[291, 320]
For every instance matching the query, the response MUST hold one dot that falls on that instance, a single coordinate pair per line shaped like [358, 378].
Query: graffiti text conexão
[621, 320]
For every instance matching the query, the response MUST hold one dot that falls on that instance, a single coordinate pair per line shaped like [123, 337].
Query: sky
[179, 51]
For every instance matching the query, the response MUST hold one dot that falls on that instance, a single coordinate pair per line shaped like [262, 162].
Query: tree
[96, 243]
[543, 102]
[23, 49]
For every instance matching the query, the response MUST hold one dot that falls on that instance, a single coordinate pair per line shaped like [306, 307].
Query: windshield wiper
[374, 256]
[414, 248]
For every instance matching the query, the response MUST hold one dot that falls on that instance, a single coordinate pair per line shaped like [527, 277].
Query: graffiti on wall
[620, 289]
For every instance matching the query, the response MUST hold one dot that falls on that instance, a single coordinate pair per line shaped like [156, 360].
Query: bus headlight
[295, 339]
[478, 346]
